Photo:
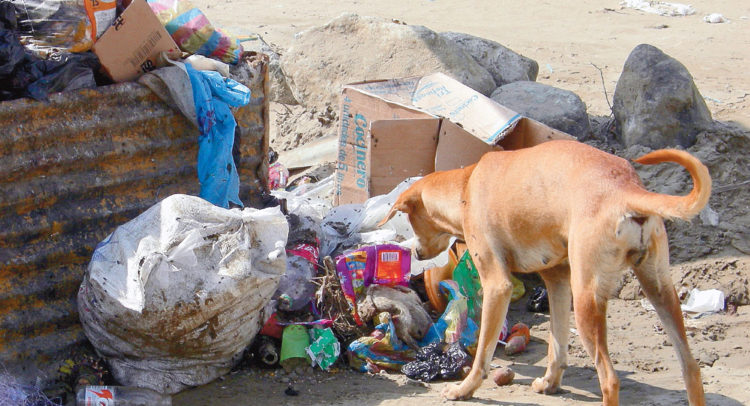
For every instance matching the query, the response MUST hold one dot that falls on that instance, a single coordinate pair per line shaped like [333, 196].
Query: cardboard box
[132, 44]
[394, 129]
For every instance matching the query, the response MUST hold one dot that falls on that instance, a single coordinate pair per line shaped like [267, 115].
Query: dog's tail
[668, 206]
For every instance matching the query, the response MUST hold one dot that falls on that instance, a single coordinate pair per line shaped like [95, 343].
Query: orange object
[388, 266]
[520, 329]
[432, 279]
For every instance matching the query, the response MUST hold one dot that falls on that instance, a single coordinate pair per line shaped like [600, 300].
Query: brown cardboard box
[132, 44]
[394, 129]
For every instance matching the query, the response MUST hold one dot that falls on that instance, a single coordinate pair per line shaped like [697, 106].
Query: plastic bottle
[120, 396]
[268, 350]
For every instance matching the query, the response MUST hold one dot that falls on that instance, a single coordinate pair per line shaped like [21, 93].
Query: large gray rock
[656, 102]
[504, 65]
[558, 108]
[352, 48]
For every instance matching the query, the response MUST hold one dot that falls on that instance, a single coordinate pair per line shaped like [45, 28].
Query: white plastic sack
[172, 297]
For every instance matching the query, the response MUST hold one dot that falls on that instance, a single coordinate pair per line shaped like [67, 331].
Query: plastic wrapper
[386, 264]
[295, 287]
[381, 350]
[454, 325]
[704, 301]
[538, 301]
[467, 277]
[278, 176]
[53, 26]
[324, 349]
[192, 31]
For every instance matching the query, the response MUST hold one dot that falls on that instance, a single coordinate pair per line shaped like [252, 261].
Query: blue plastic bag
[213, 96]
[455, 323]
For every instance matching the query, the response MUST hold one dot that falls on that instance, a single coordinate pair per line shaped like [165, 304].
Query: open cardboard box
[394, 129]
[131, 46]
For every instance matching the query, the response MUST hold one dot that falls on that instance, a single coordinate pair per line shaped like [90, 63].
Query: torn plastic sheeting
[173, 296]
[351, 225]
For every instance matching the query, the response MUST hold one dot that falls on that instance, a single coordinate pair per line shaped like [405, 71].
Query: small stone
[503, 376]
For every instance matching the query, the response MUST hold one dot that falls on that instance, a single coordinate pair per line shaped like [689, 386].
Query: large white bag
[171, 298]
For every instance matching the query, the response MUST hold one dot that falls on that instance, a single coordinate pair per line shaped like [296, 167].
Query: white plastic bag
[350, 225]
[172, 297]
[704, 301]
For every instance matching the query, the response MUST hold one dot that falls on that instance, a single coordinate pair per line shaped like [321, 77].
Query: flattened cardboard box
[131, 45]
[394, 129]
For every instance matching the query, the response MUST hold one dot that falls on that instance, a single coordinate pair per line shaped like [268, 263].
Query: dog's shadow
[584, 379]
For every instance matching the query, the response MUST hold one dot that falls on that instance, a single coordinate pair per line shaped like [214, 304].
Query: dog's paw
[454, 392]
[542, 385]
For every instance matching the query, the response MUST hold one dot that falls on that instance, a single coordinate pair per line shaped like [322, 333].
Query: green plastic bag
[467, 278]
[325, 348]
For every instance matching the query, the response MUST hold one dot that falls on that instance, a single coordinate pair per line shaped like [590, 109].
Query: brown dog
[579, 217]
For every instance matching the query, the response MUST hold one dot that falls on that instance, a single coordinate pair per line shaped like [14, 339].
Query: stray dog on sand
[579, 217]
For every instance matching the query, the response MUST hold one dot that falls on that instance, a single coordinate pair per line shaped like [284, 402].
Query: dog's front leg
[497, 289]
[557, 281]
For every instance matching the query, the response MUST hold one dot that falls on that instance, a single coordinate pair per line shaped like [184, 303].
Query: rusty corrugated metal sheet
[74, 169]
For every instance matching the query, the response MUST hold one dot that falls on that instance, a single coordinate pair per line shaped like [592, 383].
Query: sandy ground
[571, 41]
[645, 362]
[566, 39]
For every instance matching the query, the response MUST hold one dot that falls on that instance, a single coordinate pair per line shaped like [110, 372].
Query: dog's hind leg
[557, 281]
[497, 288]
[653, 274]
[587, 269]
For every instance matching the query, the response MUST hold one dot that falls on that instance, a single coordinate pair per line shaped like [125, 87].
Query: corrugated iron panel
[72, 170]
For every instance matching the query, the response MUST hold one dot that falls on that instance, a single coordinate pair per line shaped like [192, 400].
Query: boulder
[558, 108]
[656, 102]
[504, 65]
[354, 48]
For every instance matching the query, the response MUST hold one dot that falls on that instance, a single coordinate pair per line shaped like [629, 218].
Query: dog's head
[432, 238]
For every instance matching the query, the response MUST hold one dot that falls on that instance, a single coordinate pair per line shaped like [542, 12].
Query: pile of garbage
[51, 46]
[188, 291]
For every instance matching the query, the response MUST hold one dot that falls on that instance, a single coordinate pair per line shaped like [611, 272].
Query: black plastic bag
[453, 361]
[12, 53]
[538, 301]
[430, 352]
[421, 370]
[22, 74]
[438, 360]
[8, 19]
[72, 72]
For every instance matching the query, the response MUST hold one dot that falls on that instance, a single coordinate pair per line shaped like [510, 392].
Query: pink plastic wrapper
[278, 176]
[386, 264]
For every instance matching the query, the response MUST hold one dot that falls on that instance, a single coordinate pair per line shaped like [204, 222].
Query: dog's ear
[398, 206]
